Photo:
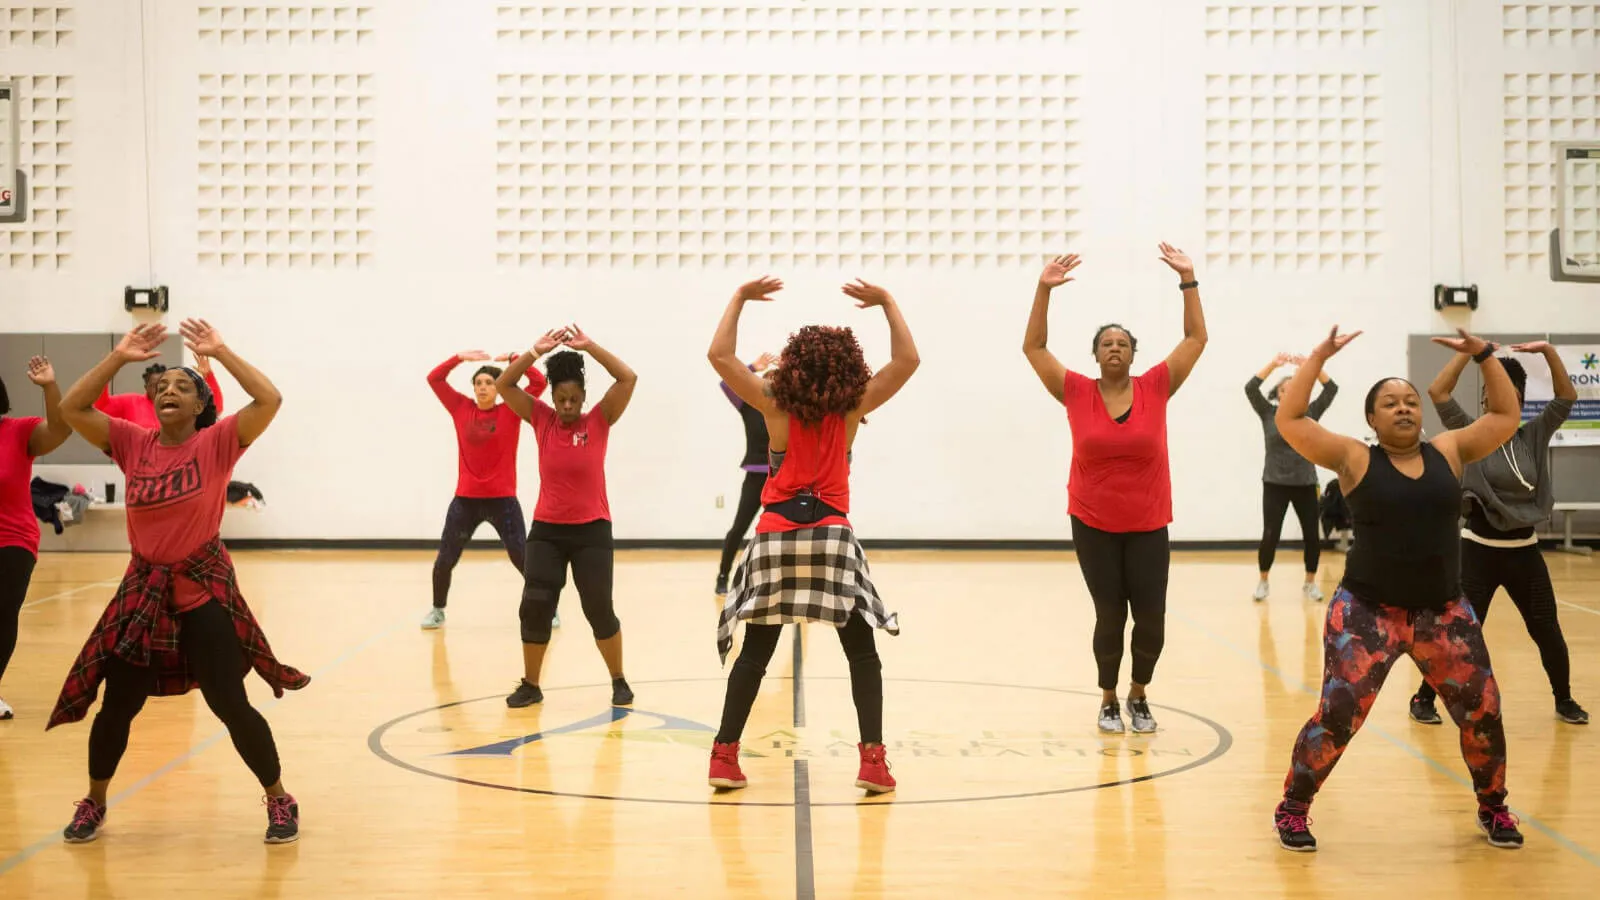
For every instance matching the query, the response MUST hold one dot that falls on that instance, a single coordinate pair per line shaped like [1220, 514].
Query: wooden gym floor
[1006, 788]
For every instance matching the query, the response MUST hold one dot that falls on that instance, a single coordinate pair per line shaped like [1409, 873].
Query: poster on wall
[1583, 367]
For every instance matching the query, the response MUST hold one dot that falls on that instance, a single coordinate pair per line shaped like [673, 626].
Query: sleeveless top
[1407, 547]
[818, 460]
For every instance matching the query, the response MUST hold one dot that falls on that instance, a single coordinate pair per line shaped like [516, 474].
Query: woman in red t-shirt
[140, 409]
[21, 442]
[486, 470]
[177, 621]
[572, 521]
[805, 564]
[1120, 487]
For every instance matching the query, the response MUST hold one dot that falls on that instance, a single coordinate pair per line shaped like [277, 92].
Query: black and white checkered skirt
[810, 575]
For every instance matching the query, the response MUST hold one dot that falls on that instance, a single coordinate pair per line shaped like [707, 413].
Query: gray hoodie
[1511, 501]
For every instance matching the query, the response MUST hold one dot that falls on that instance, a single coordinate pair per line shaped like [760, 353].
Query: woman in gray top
[1503, 497]
[1287, 477]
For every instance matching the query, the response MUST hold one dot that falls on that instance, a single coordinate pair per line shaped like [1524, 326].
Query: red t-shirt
[1120, 477]
[486, 439]
[138, 409]
[176, 495]
[18, 525]
[572, 466]
[817, 460]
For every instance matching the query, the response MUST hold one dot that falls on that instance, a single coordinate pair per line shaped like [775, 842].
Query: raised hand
[550, 340]
[1178, 261]
[142, 344]
[202, 364]
[1281, 360]
[1531, 347]
[760, 290]
[472, 356]
[1335, 342]
[201, 338]
[1058, 271]
[866, 295]
[763, 362]
[1470, 344]
[576, 339]
[507, 357]
[40, 372]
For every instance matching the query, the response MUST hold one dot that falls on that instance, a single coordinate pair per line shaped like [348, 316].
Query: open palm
[866, 295]
[760, 290]
[143, 343]
[1469, 344]
[1335, 342]
[1058, 271]
[40, 372]
[550, 340]
[576, 339]
[200, 337]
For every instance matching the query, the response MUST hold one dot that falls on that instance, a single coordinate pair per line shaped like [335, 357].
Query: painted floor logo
[977, 742]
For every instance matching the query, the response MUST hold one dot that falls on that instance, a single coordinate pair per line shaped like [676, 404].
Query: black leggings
[211, 647]
[1522, 572]
[1275, 500]
[462, 519]
[16, 570]
[551, 548]
[1125, 571]
[866, 678]
[749, 505]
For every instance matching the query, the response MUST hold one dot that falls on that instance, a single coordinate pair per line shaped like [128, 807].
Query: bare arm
[1180, 362]
[1036, 339]
[142, 344]
[903, 357]
[519, 400]
[724, 355]
[1499, 420]
[1444, 384]
[623, 378]
[265, 401]
[55, 430]
[1345, 456]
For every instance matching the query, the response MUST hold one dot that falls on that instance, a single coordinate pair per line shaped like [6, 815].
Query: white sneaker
[433, 619]
[1261, 591]
[555, 621]
[1313, 593]
[5, 710]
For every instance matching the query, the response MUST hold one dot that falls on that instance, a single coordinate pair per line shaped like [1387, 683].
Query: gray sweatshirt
[1493, 482]
[1283, 465]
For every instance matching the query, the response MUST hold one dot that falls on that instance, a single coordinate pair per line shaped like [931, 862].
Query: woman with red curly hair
[1120, 488]
[805, 564]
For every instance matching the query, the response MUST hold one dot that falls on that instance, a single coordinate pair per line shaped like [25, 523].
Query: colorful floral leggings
[1360, 642]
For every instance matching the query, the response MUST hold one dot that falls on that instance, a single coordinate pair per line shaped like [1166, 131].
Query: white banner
[1583, 368]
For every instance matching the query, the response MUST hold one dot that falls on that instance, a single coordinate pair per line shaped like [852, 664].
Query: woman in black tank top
[1401, 593]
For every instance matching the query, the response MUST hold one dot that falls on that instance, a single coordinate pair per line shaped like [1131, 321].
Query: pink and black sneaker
[725, 771]
[1500, 827]
[1293, 821]
[86, 822]
[283, 820]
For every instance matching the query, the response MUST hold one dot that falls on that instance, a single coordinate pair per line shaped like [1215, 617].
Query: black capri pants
[551, 548]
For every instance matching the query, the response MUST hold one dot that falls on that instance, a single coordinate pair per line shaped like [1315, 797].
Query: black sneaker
[1423, 712]
[283, 820]
[1293, 822]
[86, 822]
[621, 694]
[722, 585]
[1139, 713]
[1571, 713]
[1500, 826]
[525, 695]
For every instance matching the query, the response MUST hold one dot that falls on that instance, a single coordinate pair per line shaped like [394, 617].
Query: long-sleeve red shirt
[486, 439]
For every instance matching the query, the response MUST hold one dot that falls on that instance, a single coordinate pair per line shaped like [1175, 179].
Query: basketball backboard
[1575, 242]
[12, 206]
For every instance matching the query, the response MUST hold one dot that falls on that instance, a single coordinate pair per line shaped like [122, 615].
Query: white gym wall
[351, 191]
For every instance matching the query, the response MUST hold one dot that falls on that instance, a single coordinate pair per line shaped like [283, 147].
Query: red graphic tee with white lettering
[176, 495]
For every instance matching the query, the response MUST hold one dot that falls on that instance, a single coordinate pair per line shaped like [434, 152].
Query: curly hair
[822, 372]
[1517, 374]
[564, 366]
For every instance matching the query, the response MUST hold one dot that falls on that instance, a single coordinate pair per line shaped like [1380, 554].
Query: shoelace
[1502, 819]
[278, 810]
[728, 753]
[1294, 821]
[87, 814]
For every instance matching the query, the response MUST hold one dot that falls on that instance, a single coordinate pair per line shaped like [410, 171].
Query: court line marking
[1579, 607]
[1224, 744]
[76, 590]
[54, 838]
[805, 875]
[1548, 831]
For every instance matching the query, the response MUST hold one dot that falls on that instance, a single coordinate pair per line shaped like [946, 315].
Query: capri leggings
[588, 549]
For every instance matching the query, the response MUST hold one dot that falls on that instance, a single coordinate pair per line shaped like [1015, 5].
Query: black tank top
[1407, 546]
[755, 435]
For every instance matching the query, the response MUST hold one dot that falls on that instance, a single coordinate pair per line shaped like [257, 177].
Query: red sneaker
[725, 771]
[874, 777]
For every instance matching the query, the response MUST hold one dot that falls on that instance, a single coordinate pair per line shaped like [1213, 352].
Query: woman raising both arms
[1120, 487]
[1401, 592]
